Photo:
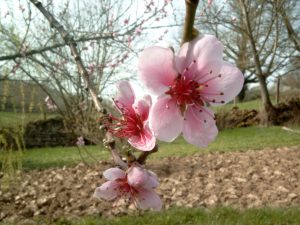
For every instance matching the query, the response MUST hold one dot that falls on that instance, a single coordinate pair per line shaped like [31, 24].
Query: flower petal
[156, 69]
[142, 107]
[226, 86]
[207, 51]
[141, 178]
[125, 95]
[145, 142]
[114, 174]
[165, 119]
[108, 191]
[199, 128]
[148, 199]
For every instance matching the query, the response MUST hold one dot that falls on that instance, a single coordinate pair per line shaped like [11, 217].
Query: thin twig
[290, 130]
[69, 40]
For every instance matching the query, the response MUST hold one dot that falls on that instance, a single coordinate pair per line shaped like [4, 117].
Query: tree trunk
[269, 115]
[242, 94]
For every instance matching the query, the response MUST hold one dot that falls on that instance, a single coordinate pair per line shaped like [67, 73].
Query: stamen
[211, 93]
[205, 75]
[212, 100]
[210, 79]
[189, 67]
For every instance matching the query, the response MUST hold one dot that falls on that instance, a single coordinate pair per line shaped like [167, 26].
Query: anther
[221, 93]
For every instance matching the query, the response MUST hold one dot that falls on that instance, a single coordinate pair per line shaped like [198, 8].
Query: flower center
[128, 126]
[125, 188]
[186, 92]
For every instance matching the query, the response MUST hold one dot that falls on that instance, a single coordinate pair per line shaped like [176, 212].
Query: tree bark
[268, 112]
[269, 115]
[242, 94]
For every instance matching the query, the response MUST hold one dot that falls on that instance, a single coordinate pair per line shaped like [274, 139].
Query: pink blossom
[80, 141]
[129, 40]
[209, 2]
[233, 19]
[50, 103]
[138, 31]
[186, 83]
[21, 7]
[134, 122]
[136, 183]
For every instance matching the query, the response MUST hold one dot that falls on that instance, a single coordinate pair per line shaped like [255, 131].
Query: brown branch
[49, 48]
[143, 156]
[190, 12]
[69, 40]
[291, 32]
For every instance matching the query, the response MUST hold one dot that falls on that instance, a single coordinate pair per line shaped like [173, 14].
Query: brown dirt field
[269, 177]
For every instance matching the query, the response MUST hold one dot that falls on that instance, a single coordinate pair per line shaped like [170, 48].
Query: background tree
[107, 34]
[255, 39]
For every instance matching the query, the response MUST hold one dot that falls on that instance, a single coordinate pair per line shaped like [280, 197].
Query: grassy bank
[239, 139]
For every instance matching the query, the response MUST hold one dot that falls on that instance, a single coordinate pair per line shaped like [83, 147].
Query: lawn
[15, 118]
[253, 104]
[238, 139]
[198, 216]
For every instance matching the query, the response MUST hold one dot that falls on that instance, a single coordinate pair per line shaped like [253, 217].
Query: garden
[161, 112]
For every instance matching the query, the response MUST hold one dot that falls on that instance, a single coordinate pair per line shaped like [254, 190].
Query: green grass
[238, 139]
[197, 216]
[253, 104]
[17, 118]
[42, 158]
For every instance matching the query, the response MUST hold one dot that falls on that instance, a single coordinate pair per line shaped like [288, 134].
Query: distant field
[239, 139]
[254, 104]
[15, 119]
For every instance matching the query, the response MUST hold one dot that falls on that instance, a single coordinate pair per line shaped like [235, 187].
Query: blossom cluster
[184, 86]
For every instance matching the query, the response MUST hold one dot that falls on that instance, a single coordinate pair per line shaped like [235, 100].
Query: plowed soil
[269, 177]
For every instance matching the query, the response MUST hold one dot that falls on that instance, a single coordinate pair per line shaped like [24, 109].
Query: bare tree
[106, 33]
[255, 39]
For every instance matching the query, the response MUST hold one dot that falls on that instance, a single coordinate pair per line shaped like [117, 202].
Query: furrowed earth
[269, 177]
